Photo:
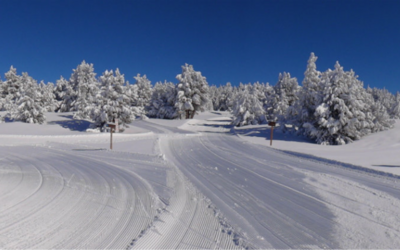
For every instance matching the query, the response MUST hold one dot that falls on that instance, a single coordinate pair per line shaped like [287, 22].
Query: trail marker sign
[272, 124]
[112, 127]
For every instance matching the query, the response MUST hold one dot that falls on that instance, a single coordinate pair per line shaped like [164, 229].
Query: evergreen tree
[10, 89]
[309, 97]
[344, 114]
[27, 107]
[248, 109]
[84, 82]
[192, 90]
[395, 111]
[112, 101]
[48, 98]
[142, 94]
[214, 93]
[162, 102]
[226, 98]
[270, 103]
[64, 95]
[285, 96]
[80, 91]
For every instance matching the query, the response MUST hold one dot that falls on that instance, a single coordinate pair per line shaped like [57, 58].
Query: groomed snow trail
[200, 190]
[60, 199]
[281, 201]
[64, 196]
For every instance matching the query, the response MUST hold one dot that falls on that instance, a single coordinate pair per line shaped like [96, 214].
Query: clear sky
[227, 40]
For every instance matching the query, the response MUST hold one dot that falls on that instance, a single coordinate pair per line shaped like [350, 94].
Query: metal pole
[272, 132]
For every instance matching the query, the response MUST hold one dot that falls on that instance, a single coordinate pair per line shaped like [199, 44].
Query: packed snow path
[281, 201]
[63, 196]
[57, 199]
[194, 190]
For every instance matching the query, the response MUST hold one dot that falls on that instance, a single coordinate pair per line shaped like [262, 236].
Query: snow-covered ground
[194, 184]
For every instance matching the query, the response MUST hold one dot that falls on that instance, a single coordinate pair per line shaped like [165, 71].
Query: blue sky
[228, 41]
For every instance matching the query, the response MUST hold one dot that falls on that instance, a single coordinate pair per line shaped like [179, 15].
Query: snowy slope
[196, 184]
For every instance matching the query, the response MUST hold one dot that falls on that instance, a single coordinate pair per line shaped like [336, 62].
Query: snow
[197, 183]
[376, 151]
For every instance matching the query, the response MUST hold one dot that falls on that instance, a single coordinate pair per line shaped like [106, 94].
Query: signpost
[272, 124]
[112, 127]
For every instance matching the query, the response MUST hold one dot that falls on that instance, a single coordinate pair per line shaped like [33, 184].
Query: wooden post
[111, 131]
[272, 134]
[272, 124]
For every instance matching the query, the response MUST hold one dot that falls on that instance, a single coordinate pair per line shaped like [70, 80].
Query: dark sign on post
[272, 124]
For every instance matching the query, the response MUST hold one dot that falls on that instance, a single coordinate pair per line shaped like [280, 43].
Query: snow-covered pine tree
[270, 102]
[214, 93]
[10, 89]
[309, 97]
[192, 91]
[162, 103]
[80, 91]
[285, 96]
[111, 102]
[395, 111]
[344, 114]
[226, 97]
[248, 109]
[86, 87]
[143, 91]
[27, 107]
[384, 97]
[48, 98]
[64, 94]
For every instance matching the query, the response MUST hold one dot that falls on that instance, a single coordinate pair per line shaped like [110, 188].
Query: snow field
[191, 184]
[376, 212]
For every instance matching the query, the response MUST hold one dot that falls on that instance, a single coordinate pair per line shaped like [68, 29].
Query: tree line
[331, 107]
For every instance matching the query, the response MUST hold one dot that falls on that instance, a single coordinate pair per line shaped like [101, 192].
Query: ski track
[71, 201]
[196, 191]
[273, 192]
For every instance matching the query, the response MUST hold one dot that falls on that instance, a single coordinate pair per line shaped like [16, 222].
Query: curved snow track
[54, 199]
[196, 191]
[281, 201]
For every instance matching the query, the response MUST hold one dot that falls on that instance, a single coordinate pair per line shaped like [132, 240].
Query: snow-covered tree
[192, 90]
[84, 82]
[285, 95]
[395, 110]
[248, 109]
[10, 89]
[162, 103]
[111, 102]
[48, 98]
[384, 97]
[64, 94]
[309, 97]
[142, 91]
[226, 97]
[79, 92]
[345, 112]
[27, 107]
[214, 93]
[270, 103]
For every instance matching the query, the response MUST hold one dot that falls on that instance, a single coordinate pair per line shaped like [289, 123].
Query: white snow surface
[198, 184]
